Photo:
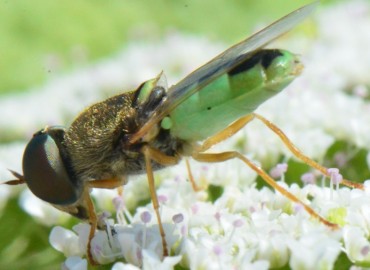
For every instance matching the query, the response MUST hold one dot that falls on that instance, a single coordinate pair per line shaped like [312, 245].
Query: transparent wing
[221, 64]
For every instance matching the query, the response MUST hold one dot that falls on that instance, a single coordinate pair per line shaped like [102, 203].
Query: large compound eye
[45, 172]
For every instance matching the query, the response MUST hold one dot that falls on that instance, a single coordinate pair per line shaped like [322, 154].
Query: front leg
[93, 221]
[88, 205]
[154, 154]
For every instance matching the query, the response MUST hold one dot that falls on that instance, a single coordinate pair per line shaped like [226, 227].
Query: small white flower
[75, 263]
[314, 251]
[43, 212]
[124, 266]
[65, 241]
[274, 249]
[152, 261]
[356, 244]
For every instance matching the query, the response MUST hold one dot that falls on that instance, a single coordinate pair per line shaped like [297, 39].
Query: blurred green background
[33, 32]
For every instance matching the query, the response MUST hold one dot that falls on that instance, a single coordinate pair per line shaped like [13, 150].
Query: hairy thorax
[97, 140]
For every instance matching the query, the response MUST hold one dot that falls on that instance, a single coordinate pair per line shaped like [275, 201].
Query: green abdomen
[233, 95]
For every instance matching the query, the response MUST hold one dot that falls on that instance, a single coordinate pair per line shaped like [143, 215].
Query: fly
[155, 126]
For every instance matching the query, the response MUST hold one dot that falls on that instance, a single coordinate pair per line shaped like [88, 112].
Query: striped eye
[44, 169]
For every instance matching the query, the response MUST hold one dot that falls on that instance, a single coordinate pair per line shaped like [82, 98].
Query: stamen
[365, 250]
[279, 170]
[121, 211]
[178, 218]
[236, 224]
[217, 250]
[217, 216]
[297, 208]
[184, 230]
[335, 178]
[194, 209]
[308, 178]
[162, 199]
[102, 218]
[145, 218]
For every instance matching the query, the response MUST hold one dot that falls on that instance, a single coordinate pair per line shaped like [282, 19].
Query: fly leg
[191, 177]
[299, 154]
[243, 121]
[111, 183]
[93, 224]
[235, 127]
[88, 203]
[157, 156]
[220, 157]
[226, 133]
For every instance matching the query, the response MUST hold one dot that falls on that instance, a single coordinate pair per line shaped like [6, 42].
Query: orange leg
[120, 191]
[219, 137]
[191, 177]
[243, 121]
[239, 124]
[220, 157]
[154, 154]
[86, 202]
[103, 183]
[93, 224]
[226, 133]
[107, 183]
[300, 155]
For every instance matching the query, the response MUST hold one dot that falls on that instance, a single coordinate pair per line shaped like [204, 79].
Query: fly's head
[47, 173]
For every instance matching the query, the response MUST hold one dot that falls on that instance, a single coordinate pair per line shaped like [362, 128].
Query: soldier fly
[154, 126]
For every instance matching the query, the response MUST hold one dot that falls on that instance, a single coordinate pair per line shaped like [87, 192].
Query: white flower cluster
[246, 227]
